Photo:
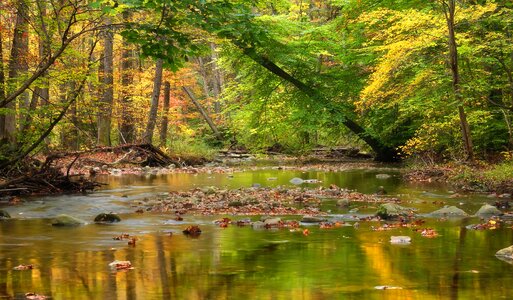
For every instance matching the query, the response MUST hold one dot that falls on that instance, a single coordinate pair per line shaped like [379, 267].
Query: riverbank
[480, 177]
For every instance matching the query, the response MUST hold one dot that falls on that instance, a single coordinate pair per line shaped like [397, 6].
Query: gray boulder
[488, 210]
[66, 221]
[312, 219]
[4, 214]
[449, 211]
[389, 211]
[272, 222]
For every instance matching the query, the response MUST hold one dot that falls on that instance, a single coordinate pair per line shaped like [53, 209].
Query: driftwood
[134, 154]
[49, 181]
[53, 175]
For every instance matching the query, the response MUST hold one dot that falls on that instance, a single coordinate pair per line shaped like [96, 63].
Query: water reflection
[242, 263]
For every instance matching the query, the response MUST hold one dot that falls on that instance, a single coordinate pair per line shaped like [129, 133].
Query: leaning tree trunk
[383, 152]
[105, 109]
[155, 95]
[165, 112]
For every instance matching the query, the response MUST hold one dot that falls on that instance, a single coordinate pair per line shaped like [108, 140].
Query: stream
[246, 263]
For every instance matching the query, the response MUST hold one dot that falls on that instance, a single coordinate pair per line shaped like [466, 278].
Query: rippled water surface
[244, 263]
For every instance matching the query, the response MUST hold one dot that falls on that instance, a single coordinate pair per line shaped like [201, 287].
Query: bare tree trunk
[126, 124]
[17, 67]
[155, 95]
[217, 80]
[203, 112]
[449, 7]
[2, 87]
[105, 109]
[165, 112]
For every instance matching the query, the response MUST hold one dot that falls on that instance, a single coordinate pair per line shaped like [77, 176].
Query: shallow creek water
[246, 263]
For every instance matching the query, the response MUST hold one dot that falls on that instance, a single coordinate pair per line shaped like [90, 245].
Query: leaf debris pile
[254, 201]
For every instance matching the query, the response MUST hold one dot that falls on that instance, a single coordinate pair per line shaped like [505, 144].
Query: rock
[488, 210]
[256, 185]
[389, 211]
[343, 202]
[506, 195]
[296, 180]
[272, 178]
[401, 239]
[258, 224]
[312, 219]
[115, 172]
[4, 214]
[506, 253]
[449, 211]
[65, 221]
[272, 222]
[107, 218]
[381, 191]
[383, 176]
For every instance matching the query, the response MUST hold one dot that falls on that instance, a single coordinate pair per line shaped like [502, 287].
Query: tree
[126, 126]
[165, 111]
[449, 9]
[107, 99]
[155, 95]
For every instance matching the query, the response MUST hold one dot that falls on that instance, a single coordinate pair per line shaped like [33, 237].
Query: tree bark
[17, 68]
[155, 95]
[105, 107]
[165, 112]
[2, 87]
[203, 112]
[449, 12]
[126, 124]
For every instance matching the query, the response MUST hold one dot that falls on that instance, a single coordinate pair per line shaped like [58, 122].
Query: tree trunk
[383, 152]
[126, 124]
[17, 68]
[217, 80]
[155, 95]
[2, 87]
[105, 107]
[449, 11]
[203, 112]
[165, 112]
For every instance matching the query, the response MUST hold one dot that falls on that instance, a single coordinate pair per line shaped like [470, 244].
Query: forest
[424, 80]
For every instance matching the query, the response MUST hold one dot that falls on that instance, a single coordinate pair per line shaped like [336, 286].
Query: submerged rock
[449, 211]
[383, 176]
[107, 218]
[4, 214]
[488, 210]
[506, 253]
[343, 202]
[296, 180]
[312, 219]
[389, 211]
[401, 239]
[66, 220]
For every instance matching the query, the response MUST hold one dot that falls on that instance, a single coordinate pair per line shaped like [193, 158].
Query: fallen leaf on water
[121, 265]
[34, 296]
[23, 267]
[192, 230]
[387, 287]
[306, 232]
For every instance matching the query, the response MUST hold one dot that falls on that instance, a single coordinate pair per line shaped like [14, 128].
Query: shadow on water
[246, 263]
